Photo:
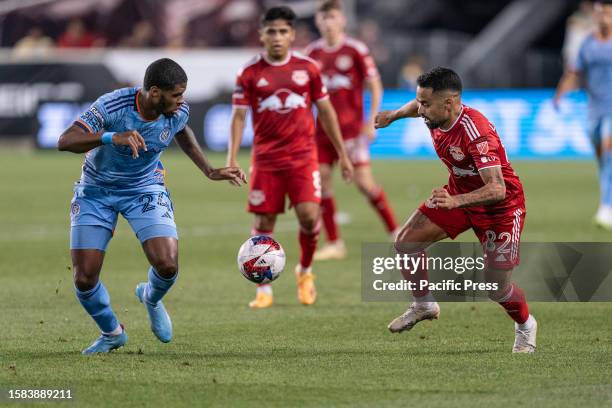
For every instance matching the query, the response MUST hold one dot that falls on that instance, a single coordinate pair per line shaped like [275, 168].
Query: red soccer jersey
[280, 96]
[470, 145]
[345, 69]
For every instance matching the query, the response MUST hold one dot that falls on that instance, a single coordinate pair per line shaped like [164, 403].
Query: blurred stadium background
[60, 55]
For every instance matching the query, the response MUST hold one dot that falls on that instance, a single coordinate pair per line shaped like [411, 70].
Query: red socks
[382, 207]
[515, 304]
[308, 244]
[328, 212]
[420, 273]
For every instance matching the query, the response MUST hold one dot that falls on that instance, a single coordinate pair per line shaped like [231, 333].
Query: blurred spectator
[77, 36]
[578, 26]
[35, 43]
[303, 36]
[369, 33]
[410, 71]
[142, 36]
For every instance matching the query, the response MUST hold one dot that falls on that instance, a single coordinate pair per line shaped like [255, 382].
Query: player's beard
[430, 123]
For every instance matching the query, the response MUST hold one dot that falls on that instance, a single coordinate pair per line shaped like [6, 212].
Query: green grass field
[336, 353]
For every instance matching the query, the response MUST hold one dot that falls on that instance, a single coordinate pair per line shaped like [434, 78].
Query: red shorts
[499, 236]
[357, 148]
[268, 188]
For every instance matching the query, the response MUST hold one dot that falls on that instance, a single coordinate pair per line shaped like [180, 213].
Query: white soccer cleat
[603, 218]
[415, 313]
[332, 250]
[525, 340]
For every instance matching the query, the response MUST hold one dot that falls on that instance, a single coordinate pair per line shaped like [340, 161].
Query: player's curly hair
[164, 74]
[440, 79]
[279, 13]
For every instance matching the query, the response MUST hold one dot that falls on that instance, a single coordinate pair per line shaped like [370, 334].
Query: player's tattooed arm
[76, 140]
[492, 192]
[329, 121]
[385, 118]
[187, 142]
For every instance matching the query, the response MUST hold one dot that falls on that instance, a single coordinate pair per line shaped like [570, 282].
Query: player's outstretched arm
[76, 140]
[329, 121]
[492, 192]
[187, 142]
[568, 82]
[385, 118]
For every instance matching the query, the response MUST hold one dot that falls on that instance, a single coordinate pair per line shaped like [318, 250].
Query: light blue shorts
[94, 211]
[600, 127]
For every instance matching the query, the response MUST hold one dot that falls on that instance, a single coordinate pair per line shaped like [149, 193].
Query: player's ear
[154, 91]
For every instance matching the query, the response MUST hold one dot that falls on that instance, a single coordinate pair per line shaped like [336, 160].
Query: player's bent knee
[309, 224]
[85, 282]
[166, 268]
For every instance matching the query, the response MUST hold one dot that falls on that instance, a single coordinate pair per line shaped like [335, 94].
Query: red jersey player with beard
[348, 70]
[483, 194]
[280, 86]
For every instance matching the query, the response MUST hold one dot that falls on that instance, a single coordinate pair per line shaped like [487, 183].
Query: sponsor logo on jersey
[257, 197]
[300, 77]
[97, 114]
[344, 62]
[282, 101]
[75, 209]
[337, 81]
[262, 82]
[483, 147]
[164, 135]
[459, 172]
[456, 152]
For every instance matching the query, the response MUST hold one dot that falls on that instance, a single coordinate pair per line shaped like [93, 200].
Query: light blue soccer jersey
[113, 166]
[594, 63]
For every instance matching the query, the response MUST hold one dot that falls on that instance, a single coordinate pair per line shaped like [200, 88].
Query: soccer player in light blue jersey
[593, 68]
[124, 134]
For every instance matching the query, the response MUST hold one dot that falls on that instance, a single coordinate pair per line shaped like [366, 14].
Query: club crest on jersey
[282, 101]
[483, 147]
[257, 197]
[456, 152]
[300, 77]
[164, 135]
[344, 62]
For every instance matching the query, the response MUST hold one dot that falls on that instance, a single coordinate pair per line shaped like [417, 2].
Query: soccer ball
[261, 259]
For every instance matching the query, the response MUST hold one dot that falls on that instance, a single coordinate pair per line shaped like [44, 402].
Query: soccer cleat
[307, 292]
[525, 340]
[105, 343]
[332, 250]
[161, 325]
[603, 218]
[261, 301]
[415, 313]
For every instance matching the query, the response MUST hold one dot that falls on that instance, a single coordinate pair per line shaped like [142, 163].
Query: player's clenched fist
[131, 138]
[440, 198]
[384, 119]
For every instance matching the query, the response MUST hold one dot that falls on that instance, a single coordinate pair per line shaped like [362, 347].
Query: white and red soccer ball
[261, 259]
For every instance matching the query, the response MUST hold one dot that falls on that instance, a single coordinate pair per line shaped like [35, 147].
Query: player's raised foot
[306, 291]
[525, 338]
[261, 301]
[161, 325]
[415, 313]
[331, 250]
[106, 343]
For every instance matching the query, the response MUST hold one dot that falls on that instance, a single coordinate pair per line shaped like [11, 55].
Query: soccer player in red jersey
[280, 86]
[483, 194]
[348, 70]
